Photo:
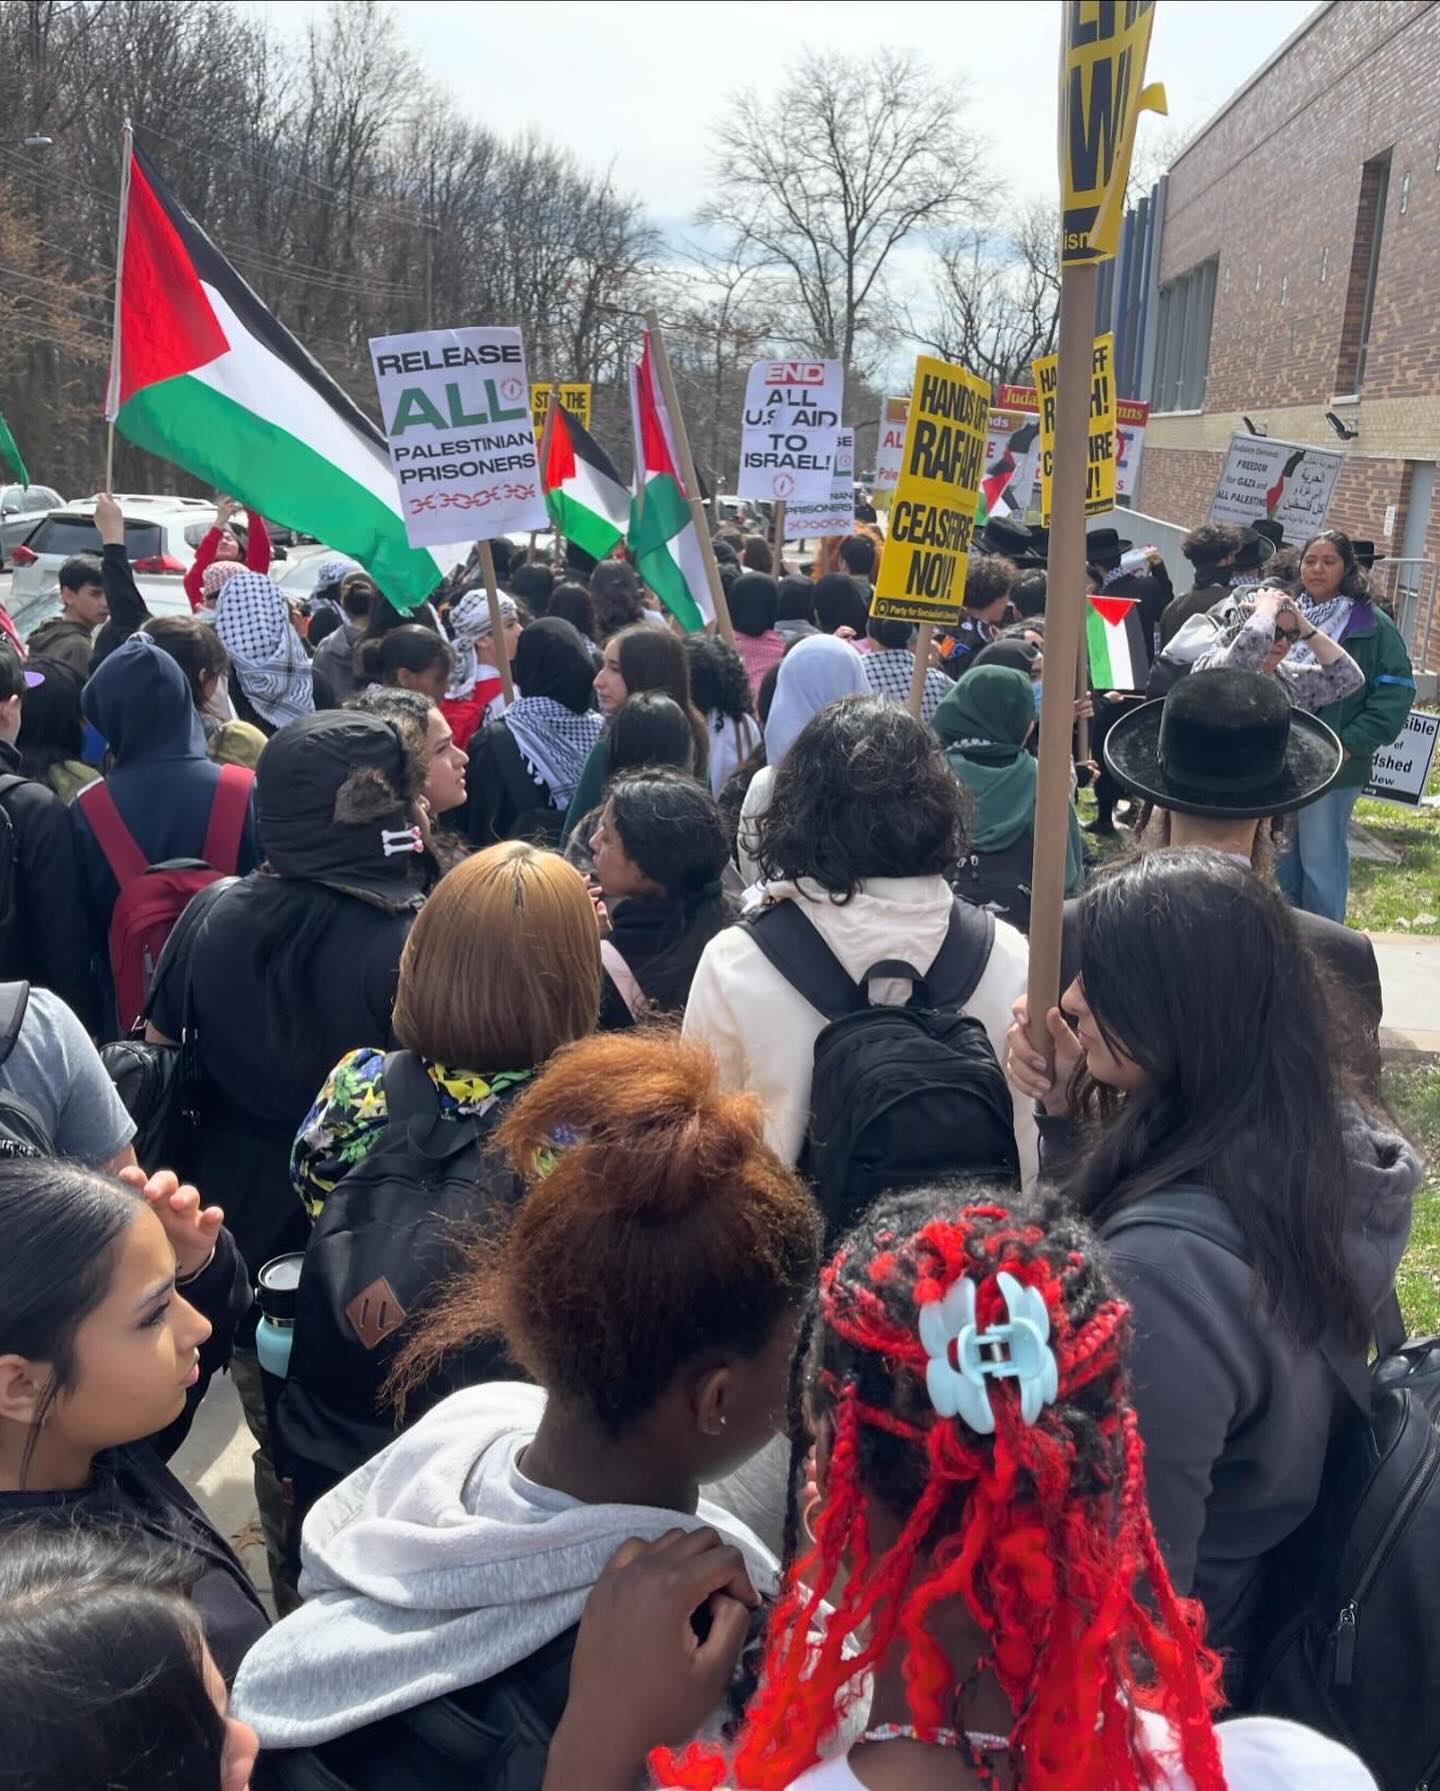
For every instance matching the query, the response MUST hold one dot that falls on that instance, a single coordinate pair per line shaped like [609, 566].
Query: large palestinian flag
[1115, 642]
[663, 540]
[205, 377]
[583, 493]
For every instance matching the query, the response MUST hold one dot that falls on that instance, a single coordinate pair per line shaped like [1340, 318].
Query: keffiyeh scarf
[253, 623]
[554, 742]
[470, 622]
[1329, 617]
[216, 574]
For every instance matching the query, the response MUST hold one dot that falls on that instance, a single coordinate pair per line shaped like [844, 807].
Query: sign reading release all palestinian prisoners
[790, 431]
[455, 406]
[836, 516]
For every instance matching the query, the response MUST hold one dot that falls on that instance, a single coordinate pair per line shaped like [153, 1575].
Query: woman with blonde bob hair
[395, 1160]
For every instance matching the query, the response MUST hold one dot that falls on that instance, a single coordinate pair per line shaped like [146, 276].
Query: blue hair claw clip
[1017, 1350]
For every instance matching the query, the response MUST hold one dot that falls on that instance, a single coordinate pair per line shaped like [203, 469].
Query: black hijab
[551, 661]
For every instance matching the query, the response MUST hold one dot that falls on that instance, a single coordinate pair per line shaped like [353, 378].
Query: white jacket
[763, 1033]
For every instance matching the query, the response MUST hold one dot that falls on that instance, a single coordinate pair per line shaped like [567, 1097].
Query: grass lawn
[1413, 1091]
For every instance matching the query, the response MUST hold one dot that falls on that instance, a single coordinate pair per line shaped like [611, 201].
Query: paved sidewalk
[1410, 978]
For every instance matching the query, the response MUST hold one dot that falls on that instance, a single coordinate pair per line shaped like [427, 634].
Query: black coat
[46, 939]
[505, 802]
[132, 1486]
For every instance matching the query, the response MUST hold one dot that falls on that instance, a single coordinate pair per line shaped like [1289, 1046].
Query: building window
[1364, 265]
[1182, 340]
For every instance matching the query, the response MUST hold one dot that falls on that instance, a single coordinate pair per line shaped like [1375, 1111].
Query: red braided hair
[1041, 1532]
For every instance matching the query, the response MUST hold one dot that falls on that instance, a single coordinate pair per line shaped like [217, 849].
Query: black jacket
[45, 939]
[505, 802]
[495, 1736]
[1194, 603]
[661, 942]
[131, 1485]
[1152, 590]
[83, 648]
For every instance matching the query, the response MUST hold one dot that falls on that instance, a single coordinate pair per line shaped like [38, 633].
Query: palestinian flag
[583, 493]
[663, 542]
[1115, 642]
[205, 377]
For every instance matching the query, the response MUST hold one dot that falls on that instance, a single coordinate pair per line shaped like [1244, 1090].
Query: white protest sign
[455, 405]
[1131, 418]
[1285, 481]
[1012, 460]
[836, 516]
[789, 431]
[890, 447]
[1399, 771]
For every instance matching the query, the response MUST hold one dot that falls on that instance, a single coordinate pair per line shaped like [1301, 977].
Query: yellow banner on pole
[1100, 449]
[574, 398]
[932, 514]
[1102, 92]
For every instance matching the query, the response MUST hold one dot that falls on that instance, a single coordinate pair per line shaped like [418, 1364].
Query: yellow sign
[1100, 459]
[574, 398]
[1102, 93]
[932, 515]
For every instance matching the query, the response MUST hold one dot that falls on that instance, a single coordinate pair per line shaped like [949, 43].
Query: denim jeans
[1313, 870]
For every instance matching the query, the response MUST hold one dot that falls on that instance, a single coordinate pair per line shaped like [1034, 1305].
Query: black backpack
[9, 860]
[900, 1095]
[23, 1133]
[386, 1239]
[1355, 1651]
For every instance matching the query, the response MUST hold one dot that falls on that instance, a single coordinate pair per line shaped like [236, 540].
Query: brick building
[1299, 273]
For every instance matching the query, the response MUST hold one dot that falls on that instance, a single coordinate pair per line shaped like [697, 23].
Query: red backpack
[154, 896]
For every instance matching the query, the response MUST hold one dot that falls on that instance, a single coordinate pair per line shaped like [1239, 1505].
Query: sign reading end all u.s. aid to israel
[932, 515]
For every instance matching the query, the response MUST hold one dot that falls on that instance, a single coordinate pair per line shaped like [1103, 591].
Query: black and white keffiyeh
[554, 742]
[1328, 617]
[470, 622]
[252, 620]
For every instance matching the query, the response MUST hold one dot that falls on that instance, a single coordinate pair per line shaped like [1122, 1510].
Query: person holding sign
[1334, 598]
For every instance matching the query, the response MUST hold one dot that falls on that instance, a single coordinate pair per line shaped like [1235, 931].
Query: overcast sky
[641, 81]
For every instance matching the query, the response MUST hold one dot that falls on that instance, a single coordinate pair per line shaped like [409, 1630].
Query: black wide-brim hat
[1012, 539]
[1105, 541]
[1225, 743]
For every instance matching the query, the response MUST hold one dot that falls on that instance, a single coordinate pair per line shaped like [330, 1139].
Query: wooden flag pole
[778, 527]
[497, 625]
[112, 395]
[1082, 689]
[1064, 612]
[922, 665]
[723, 623]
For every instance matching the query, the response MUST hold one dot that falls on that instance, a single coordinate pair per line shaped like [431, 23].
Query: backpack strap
[626, 983]
[794, 946]
[12, 780]
[229, 811]
[115, 840]
[14, 999]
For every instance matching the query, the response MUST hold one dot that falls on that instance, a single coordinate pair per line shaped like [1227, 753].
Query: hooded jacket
[160, 777]
[762, 1031]
[45, 940]
[1236, 1416]
[438, 1565]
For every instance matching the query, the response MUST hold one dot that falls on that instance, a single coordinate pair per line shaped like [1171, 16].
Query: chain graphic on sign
[434, 501]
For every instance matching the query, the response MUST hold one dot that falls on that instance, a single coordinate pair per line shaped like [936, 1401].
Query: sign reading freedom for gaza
[456, 411]
[1284, 481]
[789, 431]
[932, 517]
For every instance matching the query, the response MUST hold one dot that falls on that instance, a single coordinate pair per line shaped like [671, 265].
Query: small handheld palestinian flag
[204, 376]
[1115, 642]
[583, 493]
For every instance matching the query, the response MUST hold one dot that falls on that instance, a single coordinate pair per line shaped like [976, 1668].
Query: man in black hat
[1365, 553]
[1220, 756]
[1013, 540]
[1211, 550]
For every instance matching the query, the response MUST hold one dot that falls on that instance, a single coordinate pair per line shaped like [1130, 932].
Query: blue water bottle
[278, 1283]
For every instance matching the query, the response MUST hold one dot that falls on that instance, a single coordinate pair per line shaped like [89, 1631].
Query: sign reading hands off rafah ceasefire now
[455, 407]
[932, 516]
[790, 431]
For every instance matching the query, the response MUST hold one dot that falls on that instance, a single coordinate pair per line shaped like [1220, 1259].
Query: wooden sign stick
[497, 626]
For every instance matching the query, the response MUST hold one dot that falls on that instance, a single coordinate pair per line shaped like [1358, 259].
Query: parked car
[154, 538]
[21, 507]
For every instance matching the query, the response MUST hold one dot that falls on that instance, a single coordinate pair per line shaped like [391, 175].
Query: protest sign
[1130, 420]
[1100, 447]
[575, 398]
[891, 444]
[1399, 771]
[836, 516]
[789, 430]
[453, 404]
[1012, 462]
[932, 517]
[1285, 481]
[1102, 93]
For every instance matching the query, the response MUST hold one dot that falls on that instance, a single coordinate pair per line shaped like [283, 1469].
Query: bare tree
[830, 176]
[992, 301]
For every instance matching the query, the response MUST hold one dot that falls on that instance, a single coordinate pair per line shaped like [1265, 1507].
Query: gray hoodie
[1235, 1416]
[437, 1565]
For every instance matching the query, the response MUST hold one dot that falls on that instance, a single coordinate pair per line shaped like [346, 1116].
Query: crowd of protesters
[577, 1079]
